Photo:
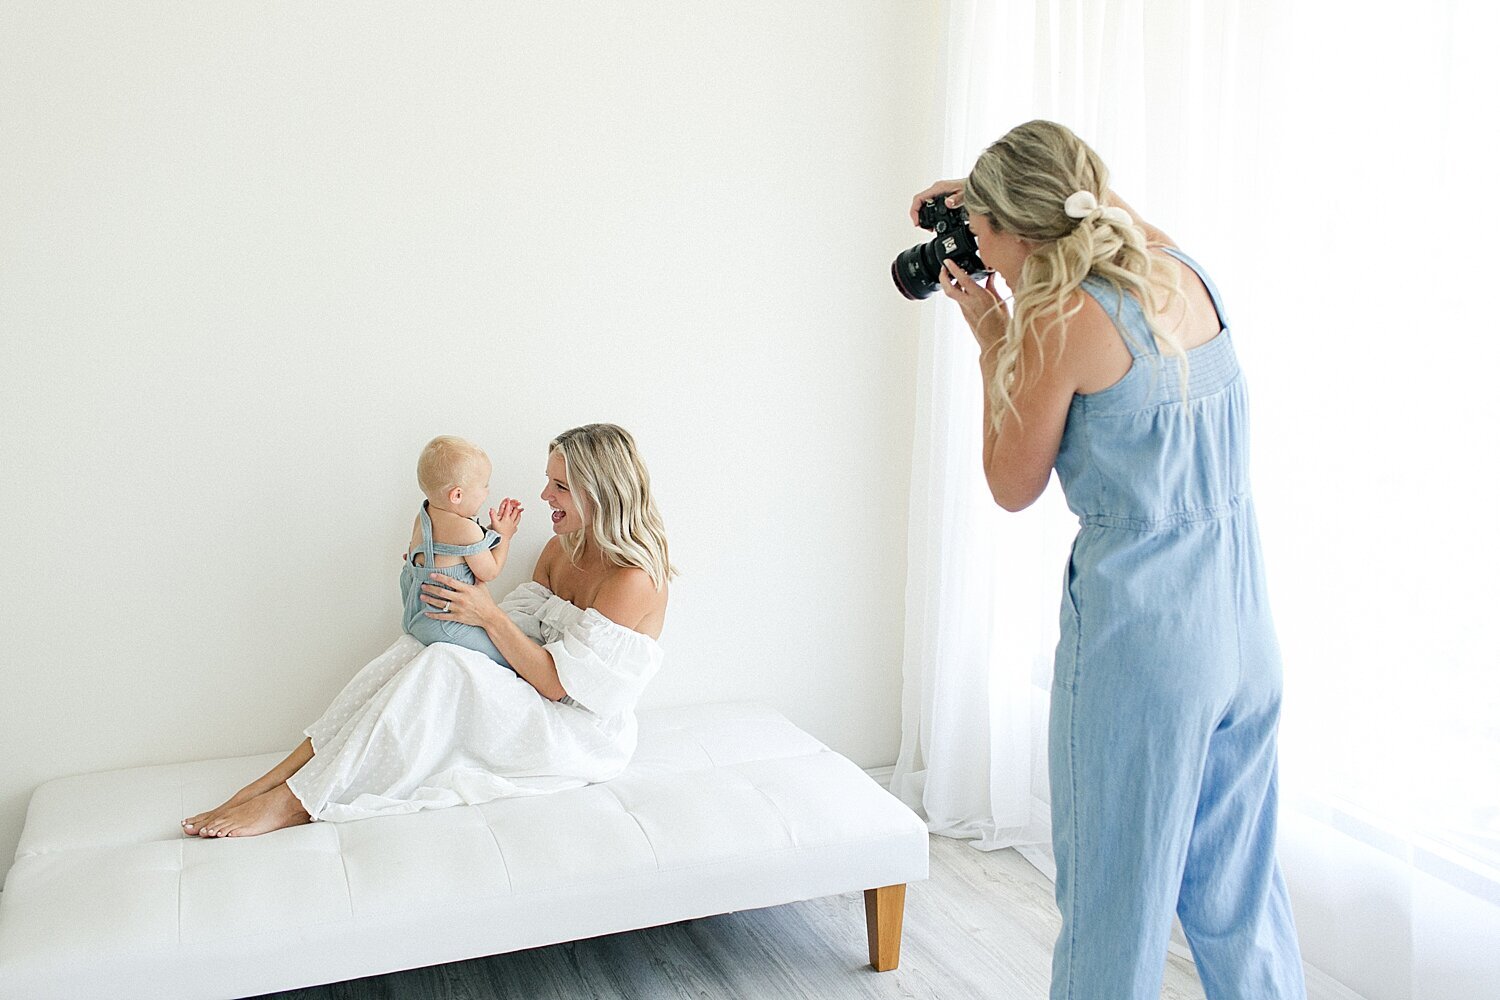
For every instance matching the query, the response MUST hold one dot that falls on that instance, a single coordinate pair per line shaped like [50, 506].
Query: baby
[455, 476]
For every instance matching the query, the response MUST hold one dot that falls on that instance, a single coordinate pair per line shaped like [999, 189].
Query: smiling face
[566, 509]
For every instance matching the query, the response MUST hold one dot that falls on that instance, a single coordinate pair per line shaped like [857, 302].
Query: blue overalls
[414, 618]
[1167, 688]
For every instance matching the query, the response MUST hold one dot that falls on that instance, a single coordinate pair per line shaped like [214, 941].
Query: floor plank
[981, 926]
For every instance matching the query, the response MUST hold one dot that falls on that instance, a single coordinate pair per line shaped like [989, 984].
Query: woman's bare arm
[531, 661]
[473, 604]
[1019, 455]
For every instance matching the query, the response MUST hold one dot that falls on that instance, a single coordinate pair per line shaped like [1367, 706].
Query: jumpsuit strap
[1127, 315]
[1213, 290]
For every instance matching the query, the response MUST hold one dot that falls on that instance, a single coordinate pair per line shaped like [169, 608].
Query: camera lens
[917, 271]
[916, 277]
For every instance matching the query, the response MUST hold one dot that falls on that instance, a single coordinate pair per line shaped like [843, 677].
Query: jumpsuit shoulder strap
[1126, 313]
[1208, 283]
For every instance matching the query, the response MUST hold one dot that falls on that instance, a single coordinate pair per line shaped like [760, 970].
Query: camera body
[918, 270]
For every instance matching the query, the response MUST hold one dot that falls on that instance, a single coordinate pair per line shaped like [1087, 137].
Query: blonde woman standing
[423, 727]
[1114, 365]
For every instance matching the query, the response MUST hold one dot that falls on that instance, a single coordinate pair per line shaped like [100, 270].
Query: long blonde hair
[1021, 183]
[604, 467]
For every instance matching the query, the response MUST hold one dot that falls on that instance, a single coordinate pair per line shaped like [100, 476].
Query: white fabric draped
[428, 727]
[1331, 167]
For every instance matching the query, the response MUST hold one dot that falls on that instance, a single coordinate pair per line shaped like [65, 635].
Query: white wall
[235, 239]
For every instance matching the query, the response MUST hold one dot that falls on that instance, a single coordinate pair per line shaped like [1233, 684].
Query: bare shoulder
[628, 597]
[544, 562]
[1190, 316]
[454, 530]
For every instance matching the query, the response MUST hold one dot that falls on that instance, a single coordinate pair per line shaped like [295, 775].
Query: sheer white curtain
[1332, 165]
[971, 760]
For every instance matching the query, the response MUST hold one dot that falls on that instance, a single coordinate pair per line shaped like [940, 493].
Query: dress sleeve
[524, 607]
[602, 666]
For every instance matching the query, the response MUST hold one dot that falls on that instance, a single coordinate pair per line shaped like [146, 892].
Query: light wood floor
[981, 926]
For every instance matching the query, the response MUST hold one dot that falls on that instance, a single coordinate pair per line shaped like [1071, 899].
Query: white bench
[723, 808]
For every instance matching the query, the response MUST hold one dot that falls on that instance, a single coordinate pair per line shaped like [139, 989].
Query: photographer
[1114, 365]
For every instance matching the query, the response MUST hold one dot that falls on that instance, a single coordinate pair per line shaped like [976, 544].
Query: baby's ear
[456, 494]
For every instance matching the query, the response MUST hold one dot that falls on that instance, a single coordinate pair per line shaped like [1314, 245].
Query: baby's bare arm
[488, 564]
[505, 521]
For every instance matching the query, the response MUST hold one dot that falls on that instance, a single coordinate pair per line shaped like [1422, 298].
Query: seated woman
[423, 727]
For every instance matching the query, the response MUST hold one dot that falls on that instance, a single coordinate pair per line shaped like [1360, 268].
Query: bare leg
[268, 811]
[194, 825]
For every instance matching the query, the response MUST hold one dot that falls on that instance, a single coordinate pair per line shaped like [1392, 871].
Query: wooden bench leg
[883, 910]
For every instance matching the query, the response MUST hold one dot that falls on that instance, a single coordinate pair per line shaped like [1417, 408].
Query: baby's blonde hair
[605, 470]
[449, 461]
[1021, 182]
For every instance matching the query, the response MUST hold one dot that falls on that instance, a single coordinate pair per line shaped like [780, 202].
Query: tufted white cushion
[724, 807]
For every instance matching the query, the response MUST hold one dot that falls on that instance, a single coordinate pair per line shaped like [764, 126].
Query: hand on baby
[505, 520]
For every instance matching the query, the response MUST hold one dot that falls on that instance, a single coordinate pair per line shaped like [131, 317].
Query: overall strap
[1213, 290]
[429, 547]
[1127, 315]
[489, 541]
[428, 559]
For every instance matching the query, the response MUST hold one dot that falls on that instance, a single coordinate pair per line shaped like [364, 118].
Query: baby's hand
[505, 520]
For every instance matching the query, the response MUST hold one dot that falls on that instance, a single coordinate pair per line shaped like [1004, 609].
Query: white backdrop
[253, 256]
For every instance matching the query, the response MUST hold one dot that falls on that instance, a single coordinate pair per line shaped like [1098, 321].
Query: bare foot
[193, 824]
[265, 812]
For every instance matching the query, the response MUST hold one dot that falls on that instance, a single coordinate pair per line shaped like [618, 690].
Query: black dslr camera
[916, 271]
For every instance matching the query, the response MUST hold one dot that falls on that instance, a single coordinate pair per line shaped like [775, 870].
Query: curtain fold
[1331, 168]
[965, 708]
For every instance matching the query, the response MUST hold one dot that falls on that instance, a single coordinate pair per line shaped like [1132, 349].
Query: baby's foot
[265, 812]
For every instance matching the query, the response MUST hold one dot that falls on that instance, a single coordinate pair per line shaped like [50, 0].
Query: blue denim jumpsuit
[414, 612]
[1167, 687]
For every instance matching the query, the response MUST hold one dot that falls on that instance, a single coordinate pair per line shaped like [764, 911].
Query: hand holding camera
[919, 272]
[951, 191]
[978, 302]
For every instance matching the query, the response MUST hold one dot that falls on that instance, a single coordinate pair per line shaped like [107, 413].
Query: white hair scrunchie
[1083, 204]
[1080, 204]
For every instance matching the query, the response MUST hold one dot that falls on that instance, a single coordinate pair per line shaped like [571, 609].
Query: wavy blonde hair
[603, 465]
[1021, 183]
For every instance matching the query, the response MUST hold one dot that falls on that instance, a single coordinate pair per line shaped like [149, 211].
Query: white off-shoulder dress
[425, 727]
